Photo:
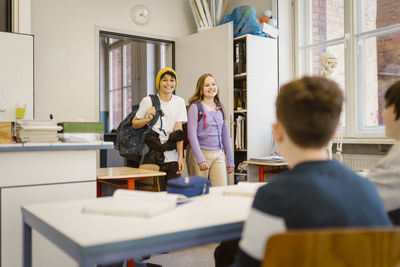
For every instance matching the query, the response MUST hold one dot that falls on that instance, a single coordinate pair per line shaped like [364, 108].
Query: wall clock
[140, 14]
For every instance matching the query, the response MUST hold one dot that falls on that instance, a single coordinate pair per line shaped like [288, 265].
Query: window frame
[354, 76]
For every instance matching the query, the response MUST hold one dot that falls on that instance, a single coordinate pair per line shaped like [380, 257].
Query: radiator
[359, 162]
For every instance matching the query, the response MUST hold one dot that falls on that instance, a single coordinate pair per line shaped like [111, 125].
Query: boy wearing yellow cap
[174, 110]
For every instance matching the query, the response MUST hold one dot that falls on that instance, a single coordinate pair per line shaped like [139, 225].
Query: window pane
[327, 20]
[116, 83]
[338, 74]
[381, 63]
[116, 107]
[379, 13]
[128, 79]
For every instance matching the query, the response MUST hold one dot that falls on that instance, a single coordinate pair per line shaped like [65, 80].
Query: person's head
[166, 81]
[307, 111]
[391, 113]
[206, 87]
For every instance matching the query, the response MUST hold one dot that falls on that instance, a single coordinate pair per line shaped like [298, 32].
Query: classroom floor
[202, 256]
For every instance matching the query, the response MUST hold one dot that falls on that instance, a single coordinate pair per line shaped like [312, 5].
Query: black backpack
[130, 141]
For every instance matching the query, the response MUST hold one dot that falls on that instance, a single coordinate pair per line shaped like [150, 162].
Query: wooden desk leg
[99, 193]
[130, 263]
[260, 173]
[131, 184]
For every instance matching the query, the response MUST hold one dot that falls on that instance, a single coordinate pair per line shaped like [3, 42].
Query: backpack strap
[202, 114]
[155, 102]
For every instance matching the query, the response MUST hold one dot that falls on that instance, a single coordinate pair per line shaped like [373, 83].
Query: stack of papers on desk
[134, 203]
[37, 131]
[243, 189]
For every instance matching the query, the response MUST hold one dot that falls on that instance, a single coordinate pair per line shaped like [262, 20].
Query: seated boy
[315, 192]
[386, 174]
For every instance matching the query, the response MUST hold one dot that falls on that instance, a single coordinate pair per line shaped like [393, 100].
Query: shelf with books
[239, 63]
[240, 75]
[254, 92]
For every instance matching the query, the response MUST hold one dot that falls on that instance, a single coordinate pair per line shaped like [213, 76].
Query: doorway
[128, 67]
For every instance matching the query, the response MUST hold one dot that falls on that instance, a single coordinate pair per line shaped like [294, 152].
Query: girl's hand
[181, 166]
[230, 169]
[151, 112]
[203, 166]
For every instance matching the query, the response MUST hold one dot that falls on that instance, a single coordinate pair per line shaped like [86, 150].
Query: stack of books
[37, 131]
[81, 132]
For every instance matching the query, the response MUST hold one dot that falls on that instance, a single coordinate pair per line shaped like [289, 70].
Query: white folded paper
[134, 203]
[243, 189]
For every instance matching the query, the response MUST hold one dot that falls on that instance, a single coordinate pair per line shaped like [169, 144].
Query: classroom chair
[150, 183]
[335, 247]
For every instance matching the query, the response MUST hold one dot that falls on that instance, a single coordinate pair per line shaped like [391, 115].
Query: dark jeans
[170, 168]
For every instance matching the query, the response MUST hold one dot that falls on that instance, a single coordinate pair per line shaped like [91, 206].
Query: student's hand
[203, 166]
[151, 112]
[230, 169]
[181, 166]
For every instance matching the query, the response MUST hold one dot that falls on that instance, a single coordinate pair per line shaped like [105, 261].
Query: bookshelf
[254, 93]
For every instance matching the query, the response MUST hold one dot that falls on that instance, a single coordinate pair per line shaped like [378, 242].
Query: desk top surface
[126, 172]
[55, 146]
[86, 230]
[266, 162]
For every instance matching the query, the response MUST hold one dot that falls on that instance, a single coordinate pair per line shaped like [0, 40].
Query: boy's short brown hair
[309, 109]
[392, 97]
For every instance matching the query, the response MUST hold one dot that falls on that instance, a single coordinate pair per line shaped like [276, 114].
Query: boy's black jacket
[156, 149]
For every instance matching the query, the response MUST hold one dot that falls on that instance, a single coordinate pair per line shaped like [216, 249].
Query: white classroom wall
[286, 40]
[260, 6]
[65, 48]
[66, 82]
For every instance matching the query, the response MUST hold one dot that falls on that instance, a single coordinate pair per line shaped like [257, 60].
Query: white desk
[92, 239]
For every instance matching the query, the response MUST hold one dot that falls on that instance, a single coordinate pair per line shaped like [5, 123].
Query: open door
[208, 51]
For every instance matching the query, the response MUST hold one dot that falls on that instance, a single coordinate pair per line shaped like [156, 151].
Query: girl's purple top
[214, 137]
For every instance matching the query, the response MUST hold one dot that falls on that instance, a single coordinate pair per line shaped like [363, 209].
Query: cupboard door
[262, 90]
[209, 51]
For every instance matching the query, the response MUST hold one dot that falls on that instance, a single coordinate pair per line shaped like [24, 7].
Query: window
[364, 36]
[128, 67]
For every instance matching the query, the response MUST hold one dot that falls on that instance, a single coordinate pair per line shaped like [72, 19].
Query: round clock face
[140, 14]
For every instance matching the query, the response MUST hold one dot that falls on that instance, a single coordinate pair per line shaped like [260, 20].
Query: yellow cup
[20, 113]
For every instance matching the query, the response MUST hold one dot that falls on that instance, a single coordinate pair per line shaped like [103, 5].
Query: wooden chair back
[353, 247]
[150, 183]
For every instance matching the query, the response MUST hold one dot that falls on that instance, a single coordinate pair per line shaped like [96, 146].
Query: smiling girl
[208, 137]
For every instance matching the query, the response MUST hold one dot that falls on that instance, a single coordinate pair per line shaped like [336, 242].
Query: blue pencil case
[189, 186]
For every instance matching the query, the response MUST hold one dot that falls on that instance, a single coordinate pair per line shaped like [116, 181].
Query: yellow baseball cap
[161, 73]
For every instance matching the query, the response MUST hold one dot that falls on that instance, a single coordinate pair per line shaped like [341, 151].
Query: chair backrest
[150, 183]
[354, 247]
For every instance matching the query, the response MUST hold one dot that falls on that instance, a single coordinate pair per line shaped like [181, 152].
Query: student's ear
[278, 133]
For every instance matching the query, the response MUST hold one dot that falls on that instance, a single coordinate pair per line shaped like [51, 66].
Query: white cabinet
[39, 174]
[255, 91]
[212, 51]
